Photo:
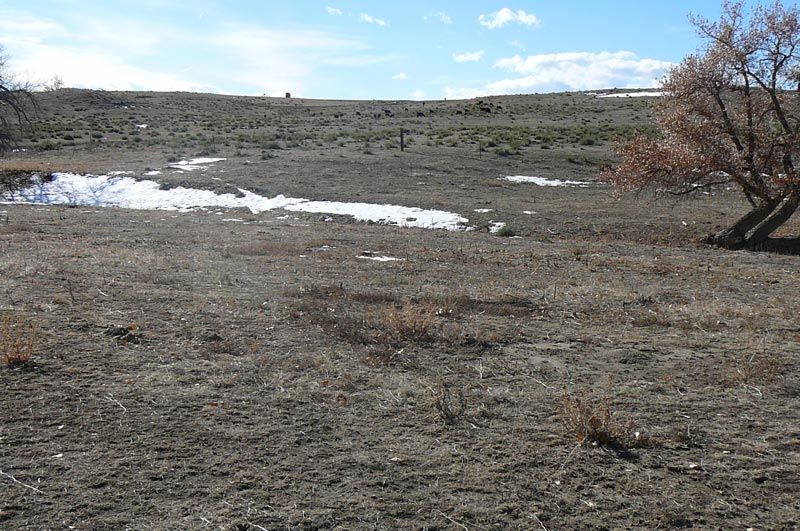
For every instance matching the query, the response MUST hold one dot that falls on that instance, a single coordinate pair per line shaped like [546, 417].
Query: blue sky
[350, 50]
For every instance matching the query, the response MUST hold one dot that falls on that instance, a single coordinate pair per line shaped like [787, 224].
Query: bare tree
[16, 101]
[729, 115]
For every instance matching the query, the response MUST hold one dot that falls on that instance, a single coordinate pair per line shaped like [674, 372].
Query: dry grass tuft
[267, 248]
[592, 421]
[449, 406]
[407, 322]
[758, 369]
[17, 340]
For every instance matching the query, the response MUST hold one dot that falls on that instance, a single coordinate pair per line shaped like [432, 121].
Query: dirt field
[190, 371]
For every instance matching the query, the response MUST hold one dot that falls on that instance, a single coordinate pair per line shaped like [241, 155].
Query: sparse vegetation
[332, 358]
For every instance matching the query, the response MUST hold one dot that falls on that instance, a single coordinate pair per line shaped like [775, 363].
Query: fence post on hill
[402, 141]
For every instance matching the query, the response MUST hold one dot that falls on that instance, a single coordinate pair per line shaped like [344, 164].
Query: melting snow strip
[381, 258]
[126, 192]
[193, 164]
[542, 181]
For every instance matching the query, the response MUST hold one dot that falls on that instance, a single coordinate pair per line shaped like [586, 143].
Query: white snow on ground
[496, 226]
[541, 181]
[193, 164]
[126, 192]
[141, 126]
[652, 94]
[381, 258]
[482, 210]
[152, 172]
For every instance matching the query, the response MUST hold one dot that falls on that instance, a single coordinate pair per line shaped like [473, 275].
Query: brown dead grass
[757, 369]
[593, 420]
[17, 340]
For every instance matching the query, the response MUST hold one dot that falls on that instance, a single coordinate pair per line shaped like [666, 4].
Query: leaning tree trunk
[780, 215]
[735, 237]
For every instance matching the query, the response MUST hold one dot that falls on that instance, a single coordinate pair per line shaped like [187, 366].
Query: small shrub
[592, 421]
[17, 341]
[450, 407]
[505, 232]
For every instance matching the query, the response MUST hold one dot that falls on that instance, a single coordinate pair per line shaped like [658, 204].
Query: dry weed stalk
[17, 340]
[449, 407]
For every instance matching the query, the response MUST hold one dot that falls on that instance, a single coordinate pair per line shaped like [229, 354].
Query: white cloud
[333, 11]
[463, 93]
[369, 19]
[95, 69]
[578, 71]
[444, 18]
[417, 95]
[468, 57]
[518, 44]
[401, 75]
[498, 19]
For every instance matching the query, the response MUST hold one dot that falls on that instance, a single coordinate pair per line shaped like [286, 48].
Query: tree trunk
[780, 215]
[734, 238]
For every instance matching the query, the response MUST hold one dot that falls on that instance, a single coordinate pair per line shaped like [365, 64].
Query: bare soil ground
[602, 370]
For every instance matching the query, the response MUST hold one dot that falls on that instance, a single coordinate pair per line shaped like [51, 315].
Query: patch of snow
[194, 164]
[542, 181]
[232, 219]
[529, 212]
[496, 226]
[141, 126]
[152, 172]
[651, 94]
[482, 210]
[401, 216]
[126, 192]
[116, 173]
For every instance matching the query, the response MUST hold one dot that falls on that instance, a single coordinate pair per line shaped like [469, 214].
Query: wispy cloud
[333, 11]
[362, 59]
[401, 76]
[369, 19]
[444, 18]
[417, 95]
[505, 16]
[468, 57]
[277, 60]
[518, 44]
[246, 58]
